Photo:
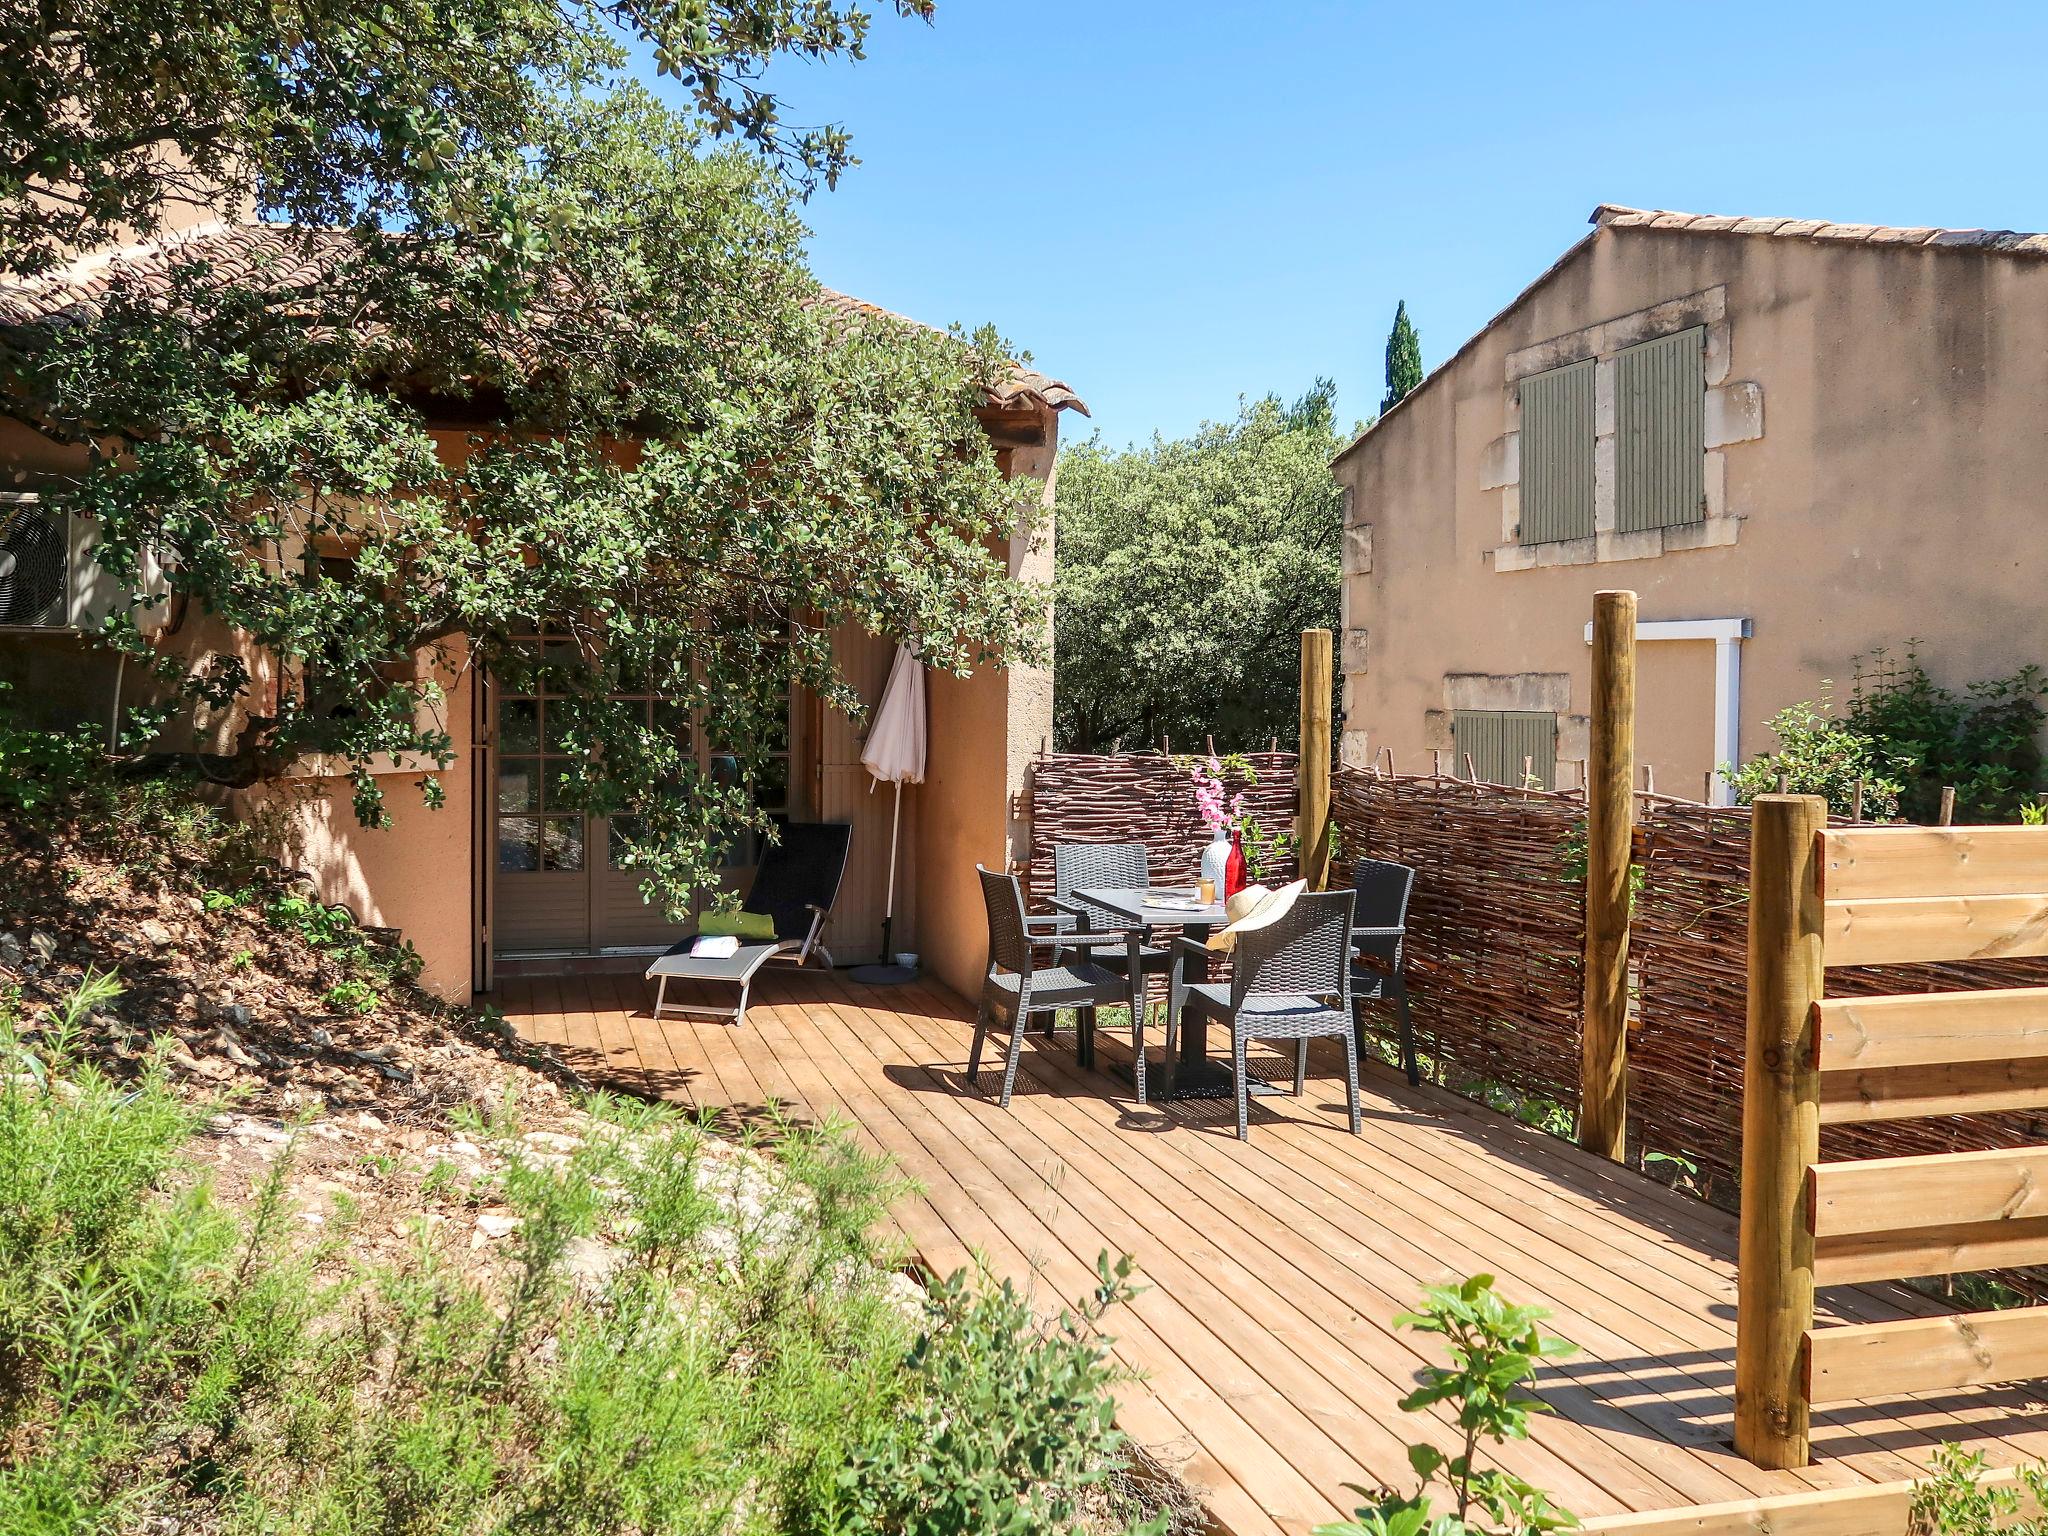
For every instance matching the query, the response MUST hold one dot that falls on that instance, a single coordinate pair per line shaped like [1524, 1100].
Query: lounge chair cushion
[744, 925]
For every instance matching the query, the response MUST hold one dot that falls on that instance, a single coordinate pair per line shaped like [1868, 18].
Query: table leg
[1194, 1030]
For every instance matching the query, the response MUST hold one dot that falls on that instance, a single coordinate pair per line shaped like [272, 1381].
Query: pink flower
[1217, 812]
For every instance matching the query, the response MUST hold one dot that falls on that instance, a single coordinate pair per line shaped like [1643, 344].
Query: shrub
[675, 1338]
[1984, 743]
[1821, 753]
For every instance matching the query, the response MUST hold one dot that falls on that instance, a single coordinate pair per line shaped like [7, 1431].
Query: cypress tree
[1404, 359]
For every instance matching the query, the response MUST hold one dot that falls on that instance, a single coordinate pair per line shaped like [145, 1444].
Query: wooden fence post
[1780, 1129]
[1313, 772]
[1610, 819]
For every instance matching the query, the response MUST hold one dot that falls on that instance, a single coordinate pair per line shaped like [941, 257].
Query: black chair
[796, 884]
[1383, 889]
[1290, 980]
[1102, 866]
[1017, 986]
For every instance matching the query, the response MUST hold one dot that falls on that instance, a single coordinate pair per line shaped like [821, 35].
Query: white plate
[1174, 901]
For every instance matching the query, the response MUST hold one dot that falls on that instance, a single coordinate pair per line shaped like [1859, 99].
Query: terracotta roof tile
[291, 257]
[1617, 216]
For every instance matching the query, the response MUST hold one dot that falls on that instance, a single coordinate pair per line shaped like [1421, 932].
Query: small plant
[1954, 1500]
[321, 926]
[1681, 1173]
[243, 960]
[1494, 1349]
[352, 997]
[1267, 854]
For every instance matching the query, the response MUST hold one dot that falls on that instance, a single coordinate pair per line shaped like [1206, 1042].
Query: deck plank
[1269, 1374]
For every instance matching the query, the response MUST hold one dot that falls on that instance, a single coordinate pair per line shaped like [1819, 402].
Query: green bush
[1907, 738]
[1984, 743]
[1822, 753]
[674, 1339]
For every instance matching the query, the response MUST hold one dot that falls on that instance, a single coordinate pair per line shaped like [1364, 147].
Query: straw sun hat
[1252, 908]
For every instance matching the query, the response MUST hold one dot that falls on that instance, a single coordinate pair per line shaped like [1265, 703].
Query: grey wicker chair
[1383, 889]
[1017, 986]
[1290, 981]
[1103, 866]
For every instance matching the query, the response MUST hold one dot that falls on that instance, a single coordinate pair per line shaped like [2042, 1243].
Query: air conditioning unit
[48, 577]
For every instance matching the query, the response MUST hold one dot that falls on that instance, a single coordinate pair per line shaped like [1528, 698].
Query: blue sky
[1173, 205]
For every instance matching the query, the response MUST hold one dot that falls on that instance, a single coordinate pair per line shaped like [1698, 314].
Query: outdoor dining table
[1193, 1075]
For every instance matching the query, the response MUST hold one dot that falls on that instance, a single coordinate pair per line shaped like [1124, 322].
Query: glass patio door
[543, 880]
[560, 884]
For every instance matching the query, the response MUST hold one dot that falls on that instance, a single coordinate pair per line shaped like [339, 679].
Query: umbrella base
[882, 975]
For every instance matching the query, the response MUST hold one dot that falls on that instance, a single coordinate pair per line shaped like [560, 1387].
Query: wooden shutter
[1531, 736]
[1660, 432]
[1476, 734]
[1557, 454]
[1498, 740]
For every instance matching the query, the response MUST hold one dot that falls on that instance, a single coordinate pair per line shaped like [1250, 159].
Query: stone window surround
[1734, 414]
[1536, 693]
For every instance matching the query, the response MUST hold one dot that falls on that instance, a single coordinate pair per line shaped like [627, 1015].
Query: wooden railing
[1822, 898]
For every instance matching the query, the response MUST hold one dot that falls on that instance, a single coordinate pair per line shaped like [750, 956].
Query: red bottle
[1233, 871]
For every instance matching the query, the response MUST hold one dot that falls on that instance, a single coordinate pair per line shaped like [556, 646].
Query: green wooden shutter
[1498, 740]
[1476, 733]
[1557, 454]
[1532, 736]
[1660, 432]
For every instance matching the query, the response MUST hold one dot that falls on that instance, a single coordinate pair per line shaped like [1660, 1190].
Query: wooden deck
[1270, 1376]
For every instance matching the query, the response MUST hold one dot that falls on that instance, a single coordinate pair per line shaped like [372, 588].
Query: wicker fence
[1145, 798]
[1497, 937]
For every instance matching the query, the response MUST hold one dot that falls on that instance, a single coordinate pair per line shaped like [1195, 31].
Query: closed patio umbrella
[894, 754]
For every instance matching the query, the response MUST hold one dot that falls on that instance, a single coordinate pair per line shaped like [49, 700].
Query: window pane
[518, 843]
[519, 726]
[617, 830]
[558, 771]
[771, 789]
[673, 720]
[562, 842]
[519, 784]
[738, 852]
[560, 659]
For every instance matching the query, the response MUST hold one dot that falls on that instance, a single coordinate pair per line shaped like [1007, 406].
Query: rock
[497, 1224]
[43, 944]
[155, 932]
[233, 1015]
[551, 1141]
[588, 1262]
[231, 1048]
[10, 950]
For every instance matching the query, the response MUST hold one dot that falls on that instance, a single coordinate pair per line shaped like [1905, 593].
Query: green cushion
[742, 925]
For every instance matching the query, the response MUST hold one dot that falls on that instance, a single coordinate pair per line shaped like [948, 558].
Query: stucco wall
[983, 732]
[414, 875]
[1894, 491]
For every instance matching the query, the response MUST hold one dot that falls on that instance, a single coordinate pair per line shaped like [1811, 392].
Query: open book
[715, 946]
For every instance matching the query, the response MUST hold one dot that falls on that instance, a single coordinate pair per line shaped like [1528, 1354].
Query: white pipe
[1727, 713]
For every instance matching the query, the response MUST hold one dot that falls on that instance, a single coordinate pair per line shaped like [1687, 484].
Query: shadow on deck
[1270, 1374]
